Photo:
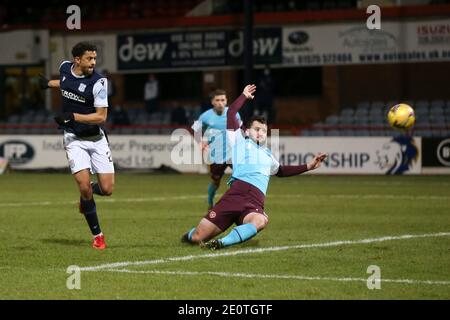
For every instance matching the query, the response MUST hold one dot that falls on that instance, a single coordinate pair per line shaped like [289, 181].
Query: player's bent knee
[196, 237]
[259, 221]
[216, 179]
[260, 225]
[107, 189]
[265, 223]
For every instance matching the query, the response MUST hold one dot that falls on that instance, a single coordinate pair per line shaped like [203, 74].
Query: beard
[88, 72]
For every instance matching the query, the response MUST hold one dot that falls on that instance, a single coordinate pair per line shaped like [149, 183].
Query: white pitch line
[261, 250]
[271, 197]
[100, 200]
[275, 276]
[364, 196]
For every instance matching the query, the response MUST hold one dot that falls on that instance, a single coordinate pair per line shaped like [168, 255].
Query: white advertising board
[347, 155]
[354, 43]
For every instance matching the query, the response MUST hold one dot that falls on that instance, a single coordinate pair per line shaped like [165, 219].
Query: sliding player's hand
[43, 82]
[66, 119]
[317, 161]
[249, 90]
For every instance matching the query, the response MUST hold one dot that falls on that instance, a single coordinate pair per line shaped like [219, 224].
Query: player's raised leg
[104, 185]
[217, 171]
[88, 207]
[103, 165]
[212, 189]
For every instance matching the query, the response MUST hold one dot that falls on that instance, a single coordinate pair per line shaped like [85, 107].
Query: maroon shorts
[217, 170]
[241, 199]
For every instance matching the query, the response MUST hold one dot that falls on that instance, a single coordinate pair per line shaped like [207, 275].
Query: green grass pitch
[42, 233]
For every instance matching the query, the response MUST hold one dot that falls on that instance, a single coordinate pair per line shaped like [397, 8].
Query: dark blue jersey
[82, 94]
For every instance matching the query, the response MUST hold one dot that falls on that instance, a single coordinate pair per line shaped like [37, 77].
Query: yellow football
[401, 116]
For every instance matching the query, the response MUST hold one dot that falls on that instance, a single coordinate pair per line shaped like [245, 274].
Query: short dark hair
[80, 48]
[218, 92]
[257, 118]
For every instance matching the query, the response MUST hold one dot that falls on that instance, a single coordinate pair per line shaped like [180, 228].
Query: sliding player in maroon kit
[243, 203]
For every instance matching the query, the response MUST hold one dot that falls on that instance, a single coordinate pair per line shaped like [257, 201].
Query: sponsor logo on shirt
[72, 96]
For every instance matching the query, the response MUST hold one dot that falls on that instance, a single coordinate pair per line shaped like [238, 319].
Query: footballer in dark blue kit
[84, 94]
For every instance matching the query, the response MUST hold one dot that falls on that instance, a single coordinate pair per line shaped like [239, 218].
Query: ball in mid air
[401, 116]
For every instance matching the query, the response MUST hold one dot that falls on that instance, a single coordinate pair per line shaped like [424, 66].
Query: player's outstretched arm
[53, 83]
[247, 93]
[45, 83]
[289, 171]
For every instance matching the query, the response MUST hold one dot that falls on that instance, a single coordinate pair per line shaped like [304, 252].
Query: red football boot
[99, 242]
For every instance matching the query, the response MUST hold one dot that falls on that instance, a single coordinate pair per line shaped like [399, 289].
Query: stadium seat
[363, 105]
[332, 132]
[34, 131]
[437, 104]
[27, 118]
[422, 104]
[376, 113]
[305, 133]
[361, 111]
[332, 119]
[447, 118]
[377, 105]
[377, 120]
[347, 112]
[166, 118]
[437, 111]
[362, 133]
[127, 130]
[422, 110]
[377, 132]
[50, 130]
[423, 120]
[346, 120]
[362, 120]
[142, 119]
[423, 133]
[440, 120]
[317, 132]
[49, 119]
[40, 118]
[438, 133]
[140, 131]
[13, 119]
[347, 133]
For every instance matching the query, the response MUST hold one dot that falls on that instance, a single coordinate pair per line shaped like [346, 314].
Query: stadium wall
[405, 60]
